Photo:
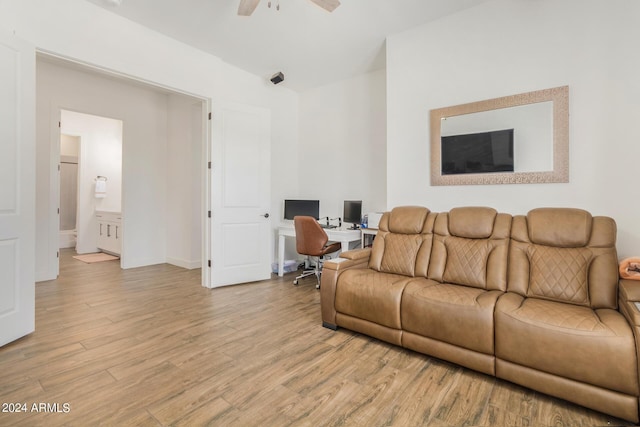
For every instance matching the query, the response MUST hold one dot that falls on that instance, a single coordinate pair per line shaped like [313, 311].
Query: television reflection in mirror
[483, 152]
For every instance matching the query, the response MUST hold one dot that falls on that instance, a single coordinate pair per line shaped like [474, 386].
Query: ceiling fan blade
[327, 5]
[247, 7]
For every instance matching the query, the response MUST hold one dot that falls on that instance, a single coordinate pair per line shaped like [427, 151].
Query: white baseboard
[127, 263]
[189, 265]
[43, 276]
[67, 240]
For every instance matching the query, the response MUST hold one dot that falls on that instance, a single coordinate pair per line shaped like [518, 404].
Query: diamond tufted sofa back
[564, 255]
[470, 248]
[403, 243]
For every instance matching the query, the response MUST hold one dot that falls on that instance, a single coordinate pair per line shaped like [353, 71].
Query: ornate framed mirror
[518, 139]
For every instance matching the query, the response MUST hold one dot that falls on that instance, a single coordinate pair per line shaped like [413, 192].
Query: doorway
[97, 142]
[164, 189]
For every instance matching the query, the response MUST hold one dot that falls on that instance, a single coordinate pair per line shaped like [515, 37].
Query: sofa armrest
[628, 295]
[331, 270]
[357, 254]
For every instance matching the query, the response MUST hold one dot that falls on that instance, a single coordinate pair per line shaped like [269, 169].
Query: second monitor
[352, 212]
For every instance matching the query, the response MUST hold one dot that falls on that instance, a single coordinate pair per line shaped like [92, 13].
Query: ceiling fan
[247, 7]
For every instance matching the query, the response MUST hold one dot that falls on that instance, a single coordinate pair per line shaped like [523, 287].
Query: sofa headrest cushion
[472, 222]
[407, 219]
[559, 227]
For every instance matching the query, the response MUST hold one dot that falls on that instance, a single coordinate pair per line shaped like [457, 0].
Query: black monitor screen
[478, 152]
[301, 207]
[352, 211]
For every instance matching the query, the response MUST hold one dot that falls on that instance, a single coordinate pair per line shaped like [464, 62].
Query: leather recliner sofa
[530, 299]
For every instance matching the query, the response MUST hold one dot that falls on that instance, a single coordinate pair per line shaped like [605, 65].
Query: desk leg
[280, 255]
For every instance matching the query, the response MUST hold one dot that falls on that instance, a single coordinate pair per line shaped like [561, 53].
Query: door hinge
[209, 263]
[209, 165]
[59, 124]
[209, 213]
[209, 115]
[58, 211]
[57, 254]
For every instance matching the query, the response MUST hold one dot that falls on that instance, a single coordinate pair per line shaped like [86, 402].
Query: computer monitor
[301, 207]
[352, 212]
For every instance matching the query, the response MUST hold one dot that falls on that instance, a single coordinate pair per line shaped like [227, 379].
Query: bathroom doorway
[95, 190]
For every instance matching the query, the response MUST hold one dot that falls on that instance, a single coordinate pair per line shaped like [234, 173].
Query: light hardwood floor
[150, 346]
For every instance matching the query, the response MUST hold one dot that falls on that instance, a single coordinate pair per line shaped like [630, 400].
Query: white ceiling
[311, 46]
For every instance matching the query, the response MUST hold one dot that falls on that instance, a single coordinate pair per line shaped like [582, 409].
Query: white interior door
[240, 185]
[17, 188]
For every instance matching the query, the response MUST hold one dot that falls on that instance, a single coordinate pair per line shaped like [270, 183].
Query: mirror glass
[469, 146]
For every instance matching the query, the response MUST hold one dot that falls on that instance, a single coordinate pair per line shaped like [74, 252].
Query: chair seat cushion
[330, 248]
[591, 346]
[458, 315]
[371, 295]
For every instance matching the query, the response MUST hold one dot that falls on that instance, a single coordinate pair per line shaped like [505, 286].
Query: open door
[17, 188]
[240, 185]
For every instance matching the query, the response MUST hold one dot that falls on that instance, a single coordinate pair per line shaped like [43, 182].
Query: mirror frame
[559, 96]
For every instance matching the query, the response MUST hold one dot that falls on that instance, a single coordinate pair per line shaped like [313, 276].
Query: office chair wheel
[295, 282]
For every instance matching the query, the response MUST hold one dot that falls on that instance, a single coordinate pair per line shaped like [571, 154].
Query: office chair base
[308, 273]
[317, 270]
[305, 273]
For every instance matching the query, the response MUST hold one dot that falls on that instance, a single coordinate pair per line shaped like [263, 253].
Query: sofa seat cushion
[458, 315]
[596, 347]
[371, 295]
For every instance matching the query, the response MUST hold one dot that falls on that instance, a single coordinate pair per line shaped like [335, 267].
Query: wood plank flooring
[151, 347]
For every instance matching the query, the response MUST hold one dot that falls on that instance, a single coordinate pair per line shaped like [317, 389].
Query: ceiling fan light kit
[246, 7]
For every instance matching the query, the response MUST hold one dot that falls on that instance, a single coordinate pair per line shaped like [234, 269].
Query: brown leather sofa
[531, 299]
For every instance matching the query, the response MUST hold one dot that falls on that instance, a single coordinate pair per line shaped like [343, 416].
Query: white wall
[184, 182]
[342, 153]
[506, 47]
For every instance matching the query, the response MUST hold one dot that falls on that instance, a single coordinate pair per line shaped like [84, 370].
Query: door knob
[266, 215]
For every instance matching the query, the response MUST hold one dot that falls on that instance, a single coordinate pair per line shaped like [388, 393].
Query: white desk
[367, 232]
[342, 235]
